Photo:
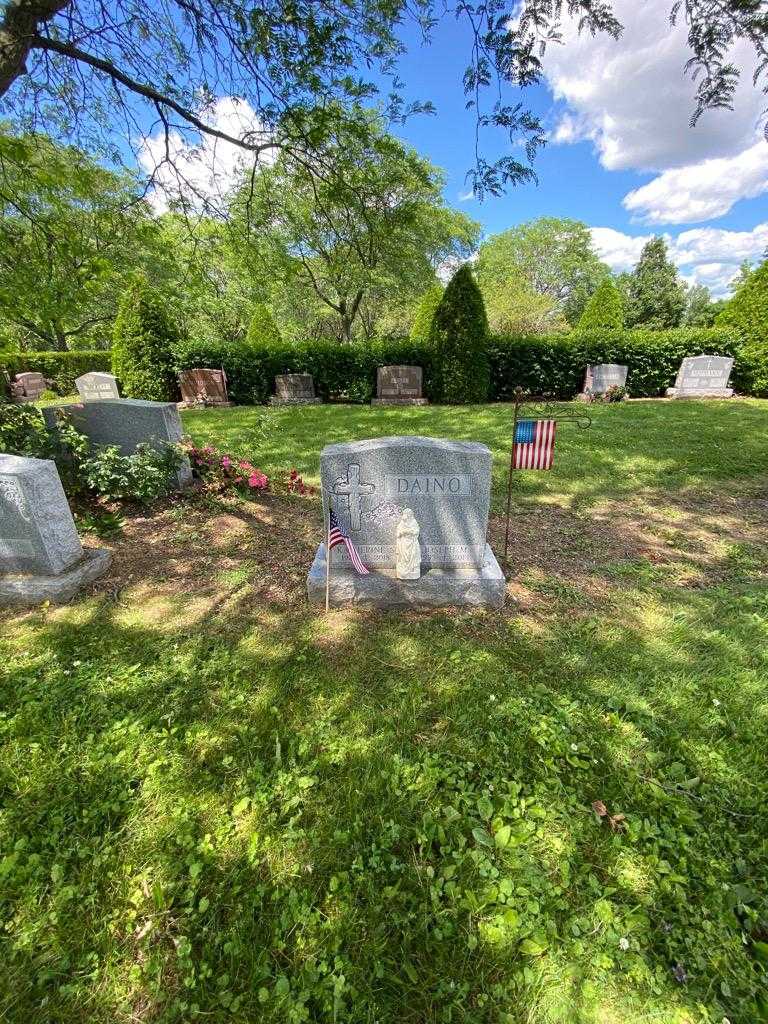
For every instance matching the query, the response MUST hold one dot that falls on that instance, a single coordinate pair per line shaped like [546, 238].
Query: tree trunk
[18, 32]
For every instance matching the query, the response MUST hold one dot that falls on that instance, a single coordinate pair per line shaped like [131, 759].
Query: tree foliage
[143, 344]
[553, 255]
[460, 337]
[700, 309]
[604, 310]
[425, 313]
[747, 313]
[655, 294]
[90, 70]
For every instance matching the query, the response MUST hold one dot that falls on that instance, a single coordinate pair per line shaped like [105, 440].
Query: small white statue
[407, 547]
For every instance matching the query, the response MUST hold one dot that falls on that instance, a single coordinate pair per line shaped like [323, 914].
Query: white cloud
[204, 172]
[631, 97]
[464, 197]
[701, 191]
[709, 256]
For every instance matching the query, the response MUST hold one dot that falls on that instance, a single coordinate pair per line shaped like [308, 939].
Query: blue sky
[621, 155]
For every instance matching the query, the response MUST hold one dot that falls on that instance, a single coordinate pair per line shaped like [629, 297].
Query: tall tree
[375, 221]
[554, 255]
[459, 335]
[70, 232]
[656, 295]
[100, 71]
[700, 309]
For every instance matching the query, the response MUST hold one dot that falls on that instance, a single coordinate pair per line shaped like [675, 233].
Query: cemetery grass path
[220, 805]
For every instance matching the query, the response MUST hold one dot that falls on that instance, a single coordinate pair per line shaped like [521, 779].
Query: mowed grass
[219, 804]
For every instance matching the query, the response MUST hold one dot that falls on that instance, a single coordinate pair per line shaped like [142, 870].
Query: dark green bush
[23, 432]
[459, 336]
[143, 344]
[61, 368]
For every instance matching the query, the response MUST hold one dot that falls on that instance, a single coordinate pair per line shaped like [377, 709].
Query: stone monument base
[274, 400]
[690, 393]
[399, 401]
[478, 587]
[26, 589]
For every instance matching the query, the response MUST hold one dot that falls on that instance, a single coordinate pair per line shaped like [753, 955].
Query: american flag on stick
[338, 535]
[534, 444]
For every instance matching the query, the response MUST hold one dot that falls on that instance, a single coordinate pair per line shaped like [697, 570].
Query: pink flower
[226, 462]
[257, 479]
[245, 465]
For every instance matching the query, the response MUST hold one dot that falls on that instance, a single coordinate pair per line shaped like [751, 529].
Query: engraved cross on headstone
[353, 489]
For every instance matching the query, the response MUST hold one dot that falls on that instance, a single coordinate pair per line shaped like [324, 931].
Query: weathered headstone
[703, 377]
[447, 486]
[294, 389]
[32, 386]
[203, 386]
[94, 387]
[399, 385]
[126, 423]
[41, 557]
[601, 377]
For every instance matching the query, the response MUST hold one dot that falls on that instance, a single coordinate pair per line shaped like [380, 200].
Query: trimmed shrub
[459, 336]
[604, 310]
[61, 368]
[143, 343]
[262, 329]
[425, 313]
[747, 314]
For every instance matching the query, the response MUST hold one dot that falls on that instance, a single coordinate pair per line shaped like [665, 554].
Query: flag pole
[518, 393]
[328, 556]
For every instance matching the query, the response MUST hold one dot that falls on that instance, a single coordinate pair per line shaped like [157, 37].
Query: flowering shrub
[221, 472]
[295, 485]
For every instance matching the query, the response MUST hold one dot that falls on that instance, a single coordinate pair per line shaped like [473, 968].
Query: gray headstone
[703, 377]
[37, 532]
[602, 376]
[127, 423]
[446, 483]
[94, 387]
[203, 384]
[399, 385]
[294, 389]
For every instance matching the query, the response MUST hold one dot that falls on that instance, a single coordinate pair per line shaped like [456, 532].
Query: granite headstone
[32, 386]
[703, 377]
[204, 386]
[399, 385]
[600, 377]
[126, 423]
[447, 486]
[41, 557]
[93, 387]
[294, 389]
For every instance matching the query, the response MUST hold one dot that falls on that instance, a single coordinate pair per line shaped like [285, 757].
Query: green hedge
[61, 368]
[556, 363]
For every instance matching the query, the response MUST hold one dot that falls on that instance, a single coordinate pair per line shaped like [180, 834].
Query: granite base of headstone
[447, 486]
[703, 377]
[29, 387]
[41, 557]
[203, 386]
[126, 423]
[399, 385]
[96, 387]
[294, 389]
[600, 378]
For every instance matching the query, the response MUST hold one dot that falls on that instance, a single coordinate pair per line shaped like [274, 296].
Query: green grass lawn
[219, 804]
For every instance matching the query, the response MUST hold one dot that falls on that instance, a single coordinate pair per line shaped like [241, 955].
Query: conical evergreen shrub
[262, 330]
[143, 343]
[459, 335]
[604, 310]
[425, 313]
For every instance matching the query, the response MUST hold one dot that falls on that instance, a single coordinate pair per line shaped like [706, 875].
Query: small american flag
[534, 446]
[337, 535]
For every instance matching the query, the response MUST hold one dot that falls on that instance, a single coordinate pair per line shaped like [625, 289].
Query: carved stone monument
[29, 387]
[93, 387]
[294, 389]
[600, 377]
[203, 386]
[445, 485]
[41, 557]
[703, 377]
[126, 423]
[399, 385]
